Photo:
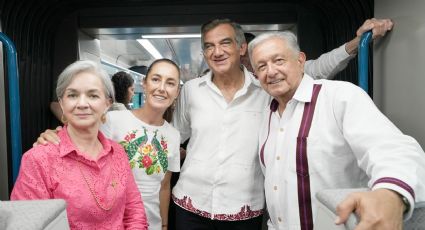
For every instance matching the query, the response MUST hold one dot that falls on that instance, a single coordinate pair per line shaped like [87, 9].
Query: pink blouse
[100, 194]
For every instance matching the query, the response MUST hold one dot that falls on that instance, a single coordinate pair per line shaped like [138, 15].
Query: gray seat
[329, 199]
[33, 214]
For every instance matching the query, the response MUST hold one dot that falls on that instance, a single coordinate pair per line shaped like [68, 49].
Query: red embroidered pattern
[244, 214]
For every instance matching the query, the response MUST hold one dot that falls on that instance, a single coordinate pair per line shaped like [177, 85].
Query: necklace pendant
[114, 183]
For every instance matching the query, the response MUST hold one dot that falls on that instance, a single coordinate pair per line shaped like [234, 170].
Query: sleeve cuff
[401, 188]
[341, 52]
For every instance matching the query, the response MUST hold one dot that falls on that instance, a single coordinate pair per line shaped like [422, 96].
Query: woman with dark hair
[151, 143]
[124, 90]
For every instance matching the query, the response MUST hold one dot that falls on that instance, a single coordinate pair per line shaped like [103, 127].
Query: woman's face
[161, 86]
[130, 93]
[84, 101]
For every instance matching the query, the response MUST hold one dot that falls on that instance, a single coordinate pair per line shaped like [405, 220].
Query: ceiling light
[150, 48]
[172, 36]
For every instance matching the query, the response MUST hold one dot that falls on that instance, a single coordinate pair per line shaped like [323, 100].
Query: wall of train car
[399, 66]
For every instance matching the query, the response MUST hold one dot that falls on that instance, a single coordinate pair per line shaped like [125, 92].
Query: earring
[174, 104]
[64, 120]
[144, 98]
[103, 118]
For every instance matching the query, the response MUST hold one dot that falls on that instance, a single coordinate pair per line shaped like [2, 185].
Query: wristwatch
[406, 203]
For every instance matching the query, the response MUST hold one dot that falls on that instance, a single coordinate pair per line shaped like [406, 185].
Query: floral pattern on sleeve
[142, 154]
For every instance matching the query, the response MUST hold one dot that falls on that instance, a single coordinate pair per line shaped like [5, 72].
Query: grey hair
[68, 74]
[289, 37]
[240, 37]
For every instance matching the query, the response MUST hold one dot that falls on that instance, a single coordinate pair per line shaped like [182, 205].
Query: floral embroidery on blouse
[149, 156]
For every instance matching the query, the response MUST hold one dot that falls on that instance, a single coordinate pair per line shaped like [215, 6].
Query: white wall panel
[399, 66]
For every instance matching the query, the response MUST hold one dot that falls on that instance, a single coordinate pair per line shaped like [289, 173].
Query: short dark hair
[240, 39]
[122, 81]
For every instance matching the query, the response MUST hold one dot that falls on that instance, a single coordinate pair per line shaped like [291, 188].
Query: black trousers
[186, 220]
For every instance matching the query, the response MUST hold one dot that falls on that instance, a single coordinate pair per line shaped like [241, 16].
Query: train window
[133, 49]
[122, 46]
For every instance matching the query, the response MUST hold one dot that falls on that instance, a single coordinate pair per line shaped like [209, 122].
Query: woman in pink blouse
[86, 169]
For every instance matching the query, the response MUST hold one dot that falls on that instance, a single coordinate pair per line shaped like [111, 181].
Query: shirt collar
[252, 77]
[66, 146]
[305, 89]
[249, 79]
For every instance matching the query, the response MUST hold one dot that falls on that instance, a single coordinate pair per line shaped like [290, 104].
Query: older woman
[86, 169]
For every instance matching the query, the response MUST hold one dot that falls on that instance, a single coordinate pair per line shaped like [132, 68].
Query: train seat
[33, 214]
[329, 199]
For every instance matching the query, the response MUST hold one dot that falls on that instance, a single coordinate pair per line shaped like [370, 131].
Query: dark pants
[186, 220]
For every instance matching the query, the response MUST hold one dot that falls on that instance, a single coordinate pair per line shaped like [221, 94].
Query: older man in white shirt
[321, 134]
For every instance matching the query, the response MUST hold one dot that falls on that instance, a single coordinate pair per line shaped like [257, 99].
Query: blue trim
[14, 104]
[363, 60]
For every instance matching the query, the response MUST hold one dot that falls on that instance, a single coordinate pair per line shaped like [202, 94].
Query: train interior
[50, 34]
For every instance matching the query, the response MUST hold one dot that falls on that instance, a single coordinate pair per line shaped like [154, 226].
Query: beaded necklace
[94, 194]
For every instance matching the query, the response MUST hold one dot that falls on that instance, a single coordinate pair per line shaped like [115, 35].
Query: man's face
[221, 50]
[278, 68]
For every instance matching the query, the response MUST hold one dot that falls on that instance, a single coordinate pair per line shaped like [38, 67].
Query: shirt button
[275, 187]
[278, 158]
[281, 129]
[279, 219]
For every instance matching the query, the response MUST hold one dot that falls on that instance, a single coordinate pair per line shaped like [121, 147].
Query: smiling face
[84, 101]
[221, 50]
[161, 85]
[278, 68]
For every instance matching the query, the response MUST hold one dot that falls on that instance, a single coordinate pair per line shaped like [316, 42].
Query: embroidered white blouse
[152, 151]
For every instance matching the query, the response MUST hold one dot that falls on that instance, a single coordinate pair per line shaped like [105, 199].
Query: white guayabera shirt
[350, 144]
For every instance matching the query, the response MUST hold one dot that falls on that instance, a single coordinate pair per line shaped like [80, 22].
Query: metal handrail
[363, 60]
[14, 104]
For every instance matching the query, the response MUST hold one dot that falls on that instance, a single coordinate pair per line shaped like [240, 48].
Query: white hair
[287, 36]
[65, 78]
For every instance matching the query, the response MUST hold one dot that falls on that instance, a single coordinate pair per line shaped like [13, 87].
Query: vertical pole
[14, 104]
[363, 60]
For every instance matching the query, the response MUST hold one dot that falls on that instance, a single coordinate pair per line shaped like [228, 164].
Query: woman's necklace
[94, 194]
